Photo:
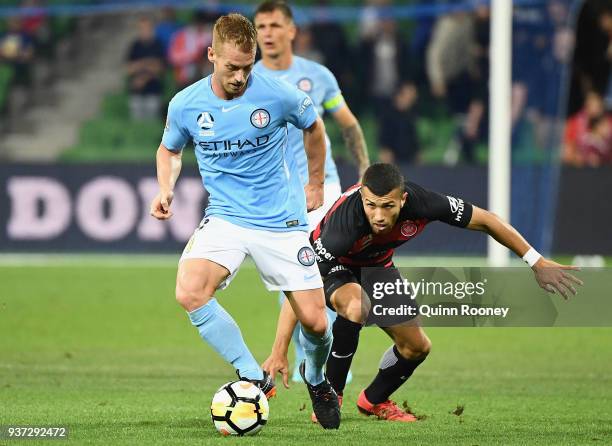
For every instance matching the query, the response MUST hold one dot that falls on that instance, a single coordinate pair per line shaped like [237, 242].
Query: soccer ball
[239, 408]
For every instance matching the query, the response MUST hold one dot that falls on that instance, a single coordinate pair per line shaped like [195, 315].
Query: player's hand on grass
[277, 364]
[160, 206]
[554, 278]
[314, 196]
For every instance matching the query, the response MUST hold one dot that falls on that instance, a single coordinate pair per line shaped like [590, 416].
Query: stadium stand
[72, 48]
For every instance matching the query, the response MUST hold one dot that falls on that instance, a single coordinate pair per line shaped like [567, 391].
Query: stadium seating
[60, 29]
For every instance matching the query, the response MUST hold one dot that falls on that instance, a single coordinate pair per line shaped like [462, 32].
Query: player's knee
[191, 297]
[316, 326]
[415, 350]
[188, 299]
[357, 310]
[316, 322]
[351, 303]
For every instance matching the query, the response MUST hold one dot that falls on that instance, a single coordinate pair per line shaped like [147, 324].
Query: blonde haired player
[257, 203]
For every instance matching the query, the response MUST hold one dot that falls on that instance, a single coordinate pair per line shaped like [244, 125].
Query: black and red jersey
[344, 236]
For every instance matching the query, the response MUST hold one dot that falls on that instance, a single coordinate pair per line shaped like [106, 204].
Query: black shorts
[387, 308]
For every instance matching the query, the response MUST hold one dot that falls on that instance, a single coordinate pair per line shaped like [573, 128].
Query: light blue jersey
[240, 145]
[320, 84]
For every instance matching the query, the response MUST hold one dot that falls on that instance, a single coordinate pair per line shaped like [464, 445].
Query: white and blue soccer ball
[239, 408]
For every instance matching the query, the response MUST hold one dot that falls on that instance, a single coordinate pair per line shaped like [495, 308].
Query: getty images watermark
[472, 297]
[412, 290]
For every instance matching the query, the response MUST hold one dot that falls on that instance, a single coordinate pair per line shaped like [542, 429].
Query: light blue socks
[220, 330]
[316, 350]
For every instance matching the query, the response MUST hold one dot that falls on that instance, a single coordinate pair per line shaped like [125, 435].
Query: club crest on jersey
[206, 122]
[409, 228]
[306, 256]
[260, 118]
[364, 242]
[305, 85]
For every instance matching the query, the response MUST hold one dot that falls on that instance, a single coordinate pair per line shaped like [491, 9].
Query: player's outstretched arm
[314, 144]
[551, 276]
[353, 137]
[277, 361]
[168, 170]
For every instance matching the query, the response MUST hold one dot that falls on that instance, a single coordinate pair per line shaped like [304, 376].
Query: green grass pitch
[105, 350]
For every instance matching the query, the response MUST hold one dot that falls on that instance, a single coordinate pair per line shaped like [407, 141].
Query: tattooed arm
[353, 137]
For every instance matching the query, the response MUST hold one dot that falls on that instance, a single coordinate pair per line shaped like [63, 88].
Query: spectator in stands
[36, 25]
[551, 45]
[579, 128]
[166, 27]
[369, 23]
[590, 67]
[594, 148]
[387, 64]
[419, 40]
[397, 134]
[187, 51]
[145, 71]
[454, 66]
[17, 50]
[605, 23]
[329, 38]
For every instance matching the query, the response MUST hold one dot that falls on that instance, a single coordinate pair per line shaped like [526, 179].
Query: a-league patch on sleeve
[306, 102]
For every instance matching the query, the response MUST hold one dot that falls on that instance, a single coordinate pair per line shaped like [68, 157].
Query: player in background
[275, 33]
[257, 204]
[362, 230]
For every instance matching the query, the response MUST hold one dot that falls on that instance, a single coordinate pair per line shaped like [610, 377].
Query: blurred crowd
[587, 139]
[21, 38]
[402, 73]
[165, 45]
[36, 49]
